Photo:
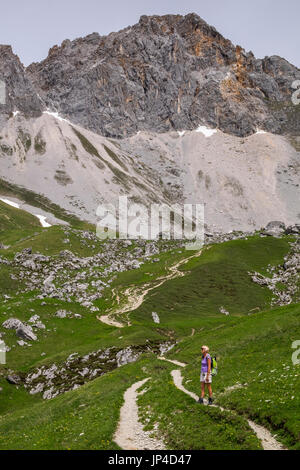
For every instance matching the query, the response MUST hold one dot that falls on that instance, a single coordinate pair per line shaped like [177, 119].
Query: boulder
[274, 229]
[66, 314]
[66, 254]
[27, 251]
[125, 356]
[13, 379]
[12, 324]
[48, 284]
[275, 225]
[36, 323]
[155, 317]
[293, 230]
[224, 311]
[30, 264]
[25, 332]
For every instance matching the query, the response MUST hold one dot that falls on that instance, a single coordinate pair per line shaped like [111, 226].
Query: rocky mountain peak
[165, 73]
[162, 75]
[171, 24]
[20, 94]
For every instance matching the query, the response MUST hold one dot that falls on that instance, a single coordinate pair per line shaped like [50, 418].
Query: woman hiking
[205, 376]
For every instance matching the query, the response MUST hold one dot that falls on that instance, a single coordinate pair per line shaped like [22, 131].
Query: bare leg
[202, 389]
[209, 390]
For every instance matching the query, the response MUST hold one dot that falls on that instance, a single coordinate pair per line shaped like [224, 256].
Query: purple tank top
[204, 365]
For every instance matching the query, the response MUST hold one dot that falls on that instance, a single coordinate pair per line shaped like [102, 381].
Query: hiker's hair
[206, 348]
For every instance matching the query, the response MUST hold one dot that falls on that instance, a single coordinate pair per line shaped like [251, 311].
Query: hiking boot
[210, 401]
[200, 401]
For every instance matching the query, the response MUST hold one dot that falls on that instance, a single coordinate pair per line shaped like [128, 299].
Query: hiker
[205, 376]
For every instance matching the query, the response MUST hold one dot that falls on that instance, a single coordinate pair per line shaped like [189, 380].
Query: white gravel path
[177, 379]
[177, 363]
[267, 440]
[130, 434]
[136, 295]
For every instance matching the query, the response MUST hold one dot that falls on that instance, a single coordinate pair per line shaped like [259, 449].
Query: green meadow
[256, 376]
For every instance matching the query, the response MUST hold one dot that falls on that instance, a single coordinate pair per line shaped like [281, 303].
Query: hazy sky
[267, 27]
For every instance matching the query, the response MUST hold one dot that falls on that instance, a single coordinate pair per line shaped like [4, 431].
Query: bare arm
[208, 366]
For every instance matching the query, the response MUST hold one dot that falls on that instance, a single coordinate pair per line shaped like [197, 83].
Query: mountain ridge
[164, 73]
[166, 111]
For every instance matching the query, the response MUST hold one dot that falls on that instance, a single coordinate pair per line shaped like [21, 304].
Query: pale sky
[267, 27]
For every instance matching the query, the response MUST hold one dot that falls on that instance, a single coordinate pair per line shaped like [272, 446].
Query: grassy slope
[218, 278]
[16, 224]
[255, 352]
[253, 349]
[38, 200]
[247, 346]
[87, 418]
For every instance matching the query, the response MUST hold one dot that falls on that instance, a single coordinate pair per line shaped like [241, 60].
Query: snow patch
[56, 116]
[10, 203]
[206, 131]
[259, 131]
[181, 133]
[42, 219]
[15, 113]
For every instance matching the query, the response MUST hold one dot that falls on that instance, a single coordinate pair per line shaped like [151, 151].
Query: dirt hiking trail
[136, 295]
[130, 434]
[267, 440]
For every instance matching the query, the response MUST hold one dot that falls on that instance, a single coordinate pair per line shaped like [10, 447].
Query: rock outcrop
[19, 93]
[283, 280]
[164, 73]
[155, 112]
[77, 370]
[23, 331]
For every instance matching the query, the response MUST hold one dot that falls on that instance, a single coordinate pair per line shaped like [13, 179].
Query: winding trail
[136, 295]
[177, 363]
[130, 434]
[267, 440]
